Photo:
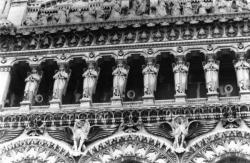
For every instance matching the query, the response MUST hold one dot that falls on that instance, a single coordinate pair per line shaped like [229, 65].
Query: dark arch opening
[45, 89]
[227, 75]
[165, 80]
[105, 80]
[196, 79]
[233, 159]
[75, 85]
[135, 77]
[19, 72]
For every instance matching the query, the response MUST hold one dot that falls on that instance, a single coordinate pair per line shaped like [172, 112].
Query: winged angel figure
[81, 134]
[180, 130]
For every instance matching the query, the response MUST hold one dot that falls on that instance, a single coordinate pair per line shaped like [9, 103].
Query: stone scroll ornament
[32, 83]
[81, 134]
[211, 69]
[180, 70]
[120, 74]
[60, 84]
[150, 72]
[180, 131]
[242, 72]
[90, 81]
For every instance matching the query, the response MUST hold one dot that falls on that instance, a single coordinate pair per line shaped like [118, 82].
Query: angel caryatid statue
[180, 70]
[242, 72]
[150, 73]
[90, 80]
[80, 134]
[120, 74]
[32, 83]
[180, 127]
[61, 78]
[211, 69]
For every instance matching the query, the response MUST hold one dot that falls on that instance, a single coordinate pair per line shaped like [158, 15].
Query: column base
[180, 98]
[55, 104]
[25, 106]
[116, 101]
[212, 97]
[148, 99]
[85, 102]
[245, 96]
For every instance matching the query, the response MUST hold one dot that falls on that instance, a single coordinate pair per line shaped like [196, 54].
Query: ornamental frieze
[160, 34]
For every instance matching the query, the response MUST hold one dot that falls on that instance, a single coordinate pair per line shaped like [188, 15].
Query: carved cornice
[116, 116]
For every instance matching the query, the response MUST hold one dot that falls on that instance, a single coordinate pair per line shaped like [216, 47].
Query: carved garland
[218, 146]
[141, 147]
[33, 149]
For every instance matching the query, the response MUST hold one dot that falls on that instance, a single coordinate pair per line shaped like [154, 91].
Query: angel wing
[64, 134]
[160, 129]
[8, 135]
[100, 132]
[199, 127]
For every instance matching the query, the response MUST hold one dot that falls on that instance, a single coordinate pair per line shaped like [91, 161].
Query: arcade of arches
[124, 81]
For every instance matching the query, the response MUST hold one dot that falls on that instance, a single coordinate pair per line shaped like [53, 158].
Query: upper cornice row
[80, 15]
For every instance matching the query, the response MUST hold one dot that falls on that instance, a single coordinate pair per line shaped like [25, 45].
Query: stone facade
[157, 81]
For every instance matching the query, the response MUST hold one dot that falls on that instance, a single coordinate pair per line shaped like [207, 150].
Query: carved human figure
[133, 10]
[188, 9]
[211, 69]
[61, 17]
[43, 19]
[202, 8]
[80, 134]
[90, 80]
[221, 6]
[160, 8]
[242, 72]
[142, 7]
[115, 12]
[29, 21]
[75, 17]
[176, 9]
[180, 127]
[88, 16]
[180, 70]
[150, 73]
[61, 78]
[32, 83]
[120, 74]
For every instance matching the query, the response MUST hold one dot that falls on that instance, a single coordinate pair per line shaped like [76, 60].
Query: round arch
[219, 146]
[34, 149]
[135, 148]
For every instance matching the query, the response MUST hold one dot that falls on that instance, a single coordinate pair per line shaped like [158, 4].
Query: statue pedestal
[85, 102]
[180, 98]
[212, 97]
[55, 104]
[25, 105]
[148, 99]
[116, 101]
[245, 96]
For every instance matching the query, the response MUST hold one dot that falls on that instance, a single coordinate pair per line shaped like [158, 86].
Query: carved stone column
[211, 70]
[31, 87]
[5, 82]
[61, 79]
[120, 76]
[180, 69]
[242, 73]
[89, 84]
[150, 73]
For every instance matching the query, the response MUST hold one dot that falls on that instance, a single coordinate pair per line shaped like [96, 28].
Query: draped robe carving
[180, 76]
[32, 83]
[119, 81]
[61, 79]
[211, 69]
[242, 72]
[90, 81]
[150, 73]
